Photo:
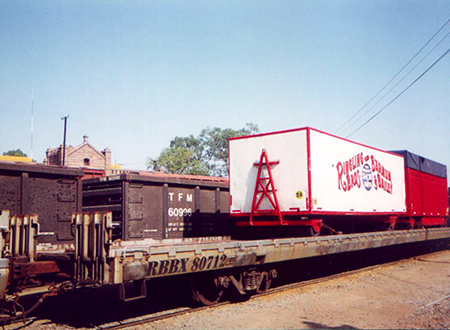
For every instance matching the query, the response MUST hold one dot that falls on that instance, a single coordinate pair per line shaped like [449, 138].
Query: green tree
[17, 153]
[206, 154]
[180, 160]
[215, 146]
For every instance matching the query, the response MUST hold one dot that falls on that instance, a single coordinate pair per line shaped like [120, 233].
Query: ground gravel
[414, 294]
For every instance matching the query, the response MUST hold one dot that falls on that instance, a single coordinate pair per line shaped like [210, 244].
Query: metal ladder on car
[265, 190]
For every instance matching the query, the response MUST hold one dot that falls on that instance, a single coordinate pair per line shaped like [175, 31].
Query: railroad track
[181, 311]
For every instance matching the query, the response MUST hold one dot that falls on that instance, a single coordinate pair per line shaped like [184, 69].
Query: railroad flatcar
[59, 233]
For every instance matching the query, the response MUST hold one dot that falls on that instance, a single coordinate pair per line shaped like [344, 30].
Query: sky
[133, 75]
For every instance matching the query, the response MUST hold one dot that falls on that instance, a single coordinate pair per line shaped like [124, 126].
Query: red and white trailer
[426, 191]
[301, 176]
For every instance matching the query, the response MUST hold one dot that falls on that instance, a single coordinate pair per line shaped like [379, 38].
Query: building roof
[84, 144]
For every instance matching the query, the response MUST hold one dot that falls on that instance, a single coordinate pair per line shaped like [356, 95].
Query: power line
[409, 86]
[406, 75]
[420, 50]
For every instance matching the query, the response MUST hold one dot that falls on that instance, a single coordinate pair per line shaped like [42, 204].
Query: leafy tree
[206, 154]
[17, 153]
[180, 160]
[215, 144]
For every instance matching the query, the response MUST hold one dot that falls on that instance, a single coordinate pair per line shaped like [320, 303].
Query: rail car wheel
[206, 290]
[265, 282]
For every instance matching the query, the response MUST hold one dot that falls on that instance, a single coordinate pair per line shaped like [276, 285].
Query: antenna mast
[32, 120]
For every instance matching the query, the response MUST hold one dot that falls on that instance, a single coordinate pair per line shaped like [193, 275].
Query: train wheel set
[290, 196]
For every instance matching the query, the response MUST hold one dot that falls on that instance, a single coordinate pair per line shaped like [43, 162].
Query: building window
[86, 162]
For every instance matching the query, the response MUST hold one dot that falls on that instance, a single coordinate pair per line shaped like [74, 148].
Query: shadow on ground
[313, 325]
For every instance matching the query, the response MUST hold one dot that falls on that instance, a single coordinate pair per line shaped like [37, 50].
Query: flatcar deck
[135, 260]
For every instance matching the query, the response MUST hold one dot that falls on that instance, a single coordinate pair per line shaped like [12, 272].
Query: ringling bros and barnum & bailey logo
[365, 170]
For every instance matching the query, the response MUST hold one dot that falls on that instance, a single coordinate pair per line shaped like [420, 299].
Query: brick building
[84, 155]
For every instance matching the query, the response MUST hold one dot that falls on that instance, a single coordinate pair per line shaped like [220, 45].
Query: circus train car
[60, 233]
[313, 180]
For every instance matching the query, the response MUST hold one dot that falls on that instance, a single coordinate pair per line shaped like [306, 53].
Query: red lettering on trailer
[349, 175]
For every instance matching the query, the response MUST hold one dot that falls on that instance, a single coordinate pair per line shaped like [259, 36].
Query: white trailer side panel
[290, 175]
[349, 177]
[346, 177]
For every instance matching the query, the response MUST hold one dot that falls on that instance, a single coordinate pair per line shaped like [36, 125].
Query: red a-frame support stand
[265, 190]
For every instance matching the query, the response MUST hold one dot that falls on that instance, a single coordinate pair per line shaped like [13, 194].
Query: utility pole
[64, 139]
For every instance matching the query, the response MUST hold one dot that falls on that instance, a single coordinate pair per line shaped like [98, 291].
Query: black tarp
[422, 164]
